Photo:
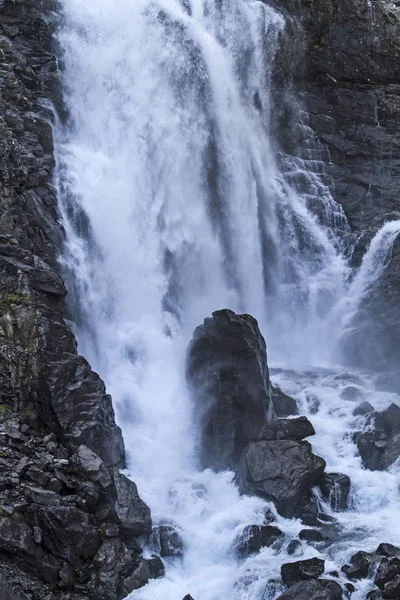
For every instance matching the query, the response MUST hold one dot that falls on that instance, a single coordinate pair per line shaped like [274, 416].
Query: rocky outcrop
[343, 59]
[69, 521]
[228, 375]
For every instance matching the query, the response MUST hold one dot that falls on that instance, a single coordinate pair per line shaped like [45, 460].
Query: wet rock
[228, 375]
[316, 589]
[387, 550]
[287, 429]
[392, 588]
[387, 571]
[360, 565]
[374, 595]
[313, 403]
[87, 463]
[188, 597]
[156, 566]
[168, 540]
[311, 568]
[362, 409]
[284, 405]
[351, 393]
[255, 537]
[132, 513]
[269, 516]
[311, 535]
[380, 448]
[335, 487]
[293, 546]
[281, 471]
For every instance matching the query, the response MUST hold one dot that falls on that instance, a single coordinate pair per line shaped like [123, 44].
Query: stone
[86, 462]
[293, 546]
[360, 565]
[311, 535]
[351, 393]
[316, 589]
[281, 471]
[228, 377]
[167, 540]
[287, 429]
[365, 408]
[387, 570]
[284, 405]
[132, 513]
[256, 537]
[392, 588]
[380, 448]
[335, 487]
[310, 568]
[387, 550]
[188, 597]
[41, 496]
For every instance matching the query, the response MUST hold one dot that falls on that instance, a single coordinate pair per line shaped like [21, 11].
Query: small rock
[387, 550]
[269, 516]
[156, 566]
[335, 487]
[41, 496]
[293, 546]
[109, 530]
[51, 437]
[311, 535]
[188, 597]
[168, 540]
[311, 568]
[37, 535]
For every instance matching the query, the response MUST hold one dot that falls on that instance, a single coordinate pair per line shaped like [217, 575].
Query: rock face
[380, 448]
[344, 60]
[68, 518]
[228, 374]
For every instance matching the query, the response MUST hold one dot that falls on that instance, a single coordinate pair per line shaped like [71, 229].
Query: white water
[174, 207]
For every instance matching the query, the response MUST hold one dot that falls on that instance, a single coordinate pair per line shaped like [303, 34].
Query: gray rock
[310, 568]
[362, 409]
[281, 471]
[228, 374]
[287, 429]
[380, 448]
[255, 537]
[132, 513]
[284, 405]
[335, 487]
[317, 589]
[87, 463]
[167, 540]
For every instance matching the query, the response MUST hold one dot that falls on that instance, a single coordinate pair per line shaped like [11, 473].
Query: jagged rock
[132, 513]
[87, 463]
[228, 375]
[381, 448]
[335, 487]
[188, 597]
[168, 540]
[360, 565]
[287, 429]
[284, 405]
[387, 571]
[281, 471]
[255, 537]
[311, 568]
[317, 589]
[387, 550]
[362, 409]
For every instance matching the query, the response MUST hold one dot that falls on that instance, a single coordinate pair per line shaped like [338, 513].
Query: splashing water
[174, 206]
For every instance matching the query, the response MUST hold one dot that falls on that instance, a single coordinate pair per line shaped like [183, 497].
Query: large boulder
[228, 374]
[282, 471]
[310, 568]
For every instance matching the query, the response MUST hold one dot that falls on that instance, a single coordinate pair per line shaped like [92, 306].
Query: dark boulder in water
[282, 471]
[380, 448]
[360, 565]
[365, 408]
[167, 541]
[335, 487]
[316, 589]
[228, 374]
[311, 568]
[255, 537]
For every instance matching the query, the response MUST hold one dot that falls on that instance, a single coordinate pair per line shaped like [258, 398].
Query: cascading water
[174, 206]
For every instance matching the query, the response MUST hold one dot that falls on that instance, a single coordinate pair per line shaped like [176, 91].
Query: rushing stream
[174, 206]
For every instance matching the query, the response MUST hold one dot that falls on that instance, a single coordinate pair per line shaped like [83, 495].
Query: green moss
[7, 299]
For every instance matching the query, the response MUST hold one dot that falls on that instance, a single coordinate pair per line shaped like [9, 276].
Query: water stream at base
[174, 207]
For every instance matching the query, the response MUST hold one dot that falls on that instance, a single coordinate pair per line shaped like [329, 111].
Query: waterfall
[174, 206]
